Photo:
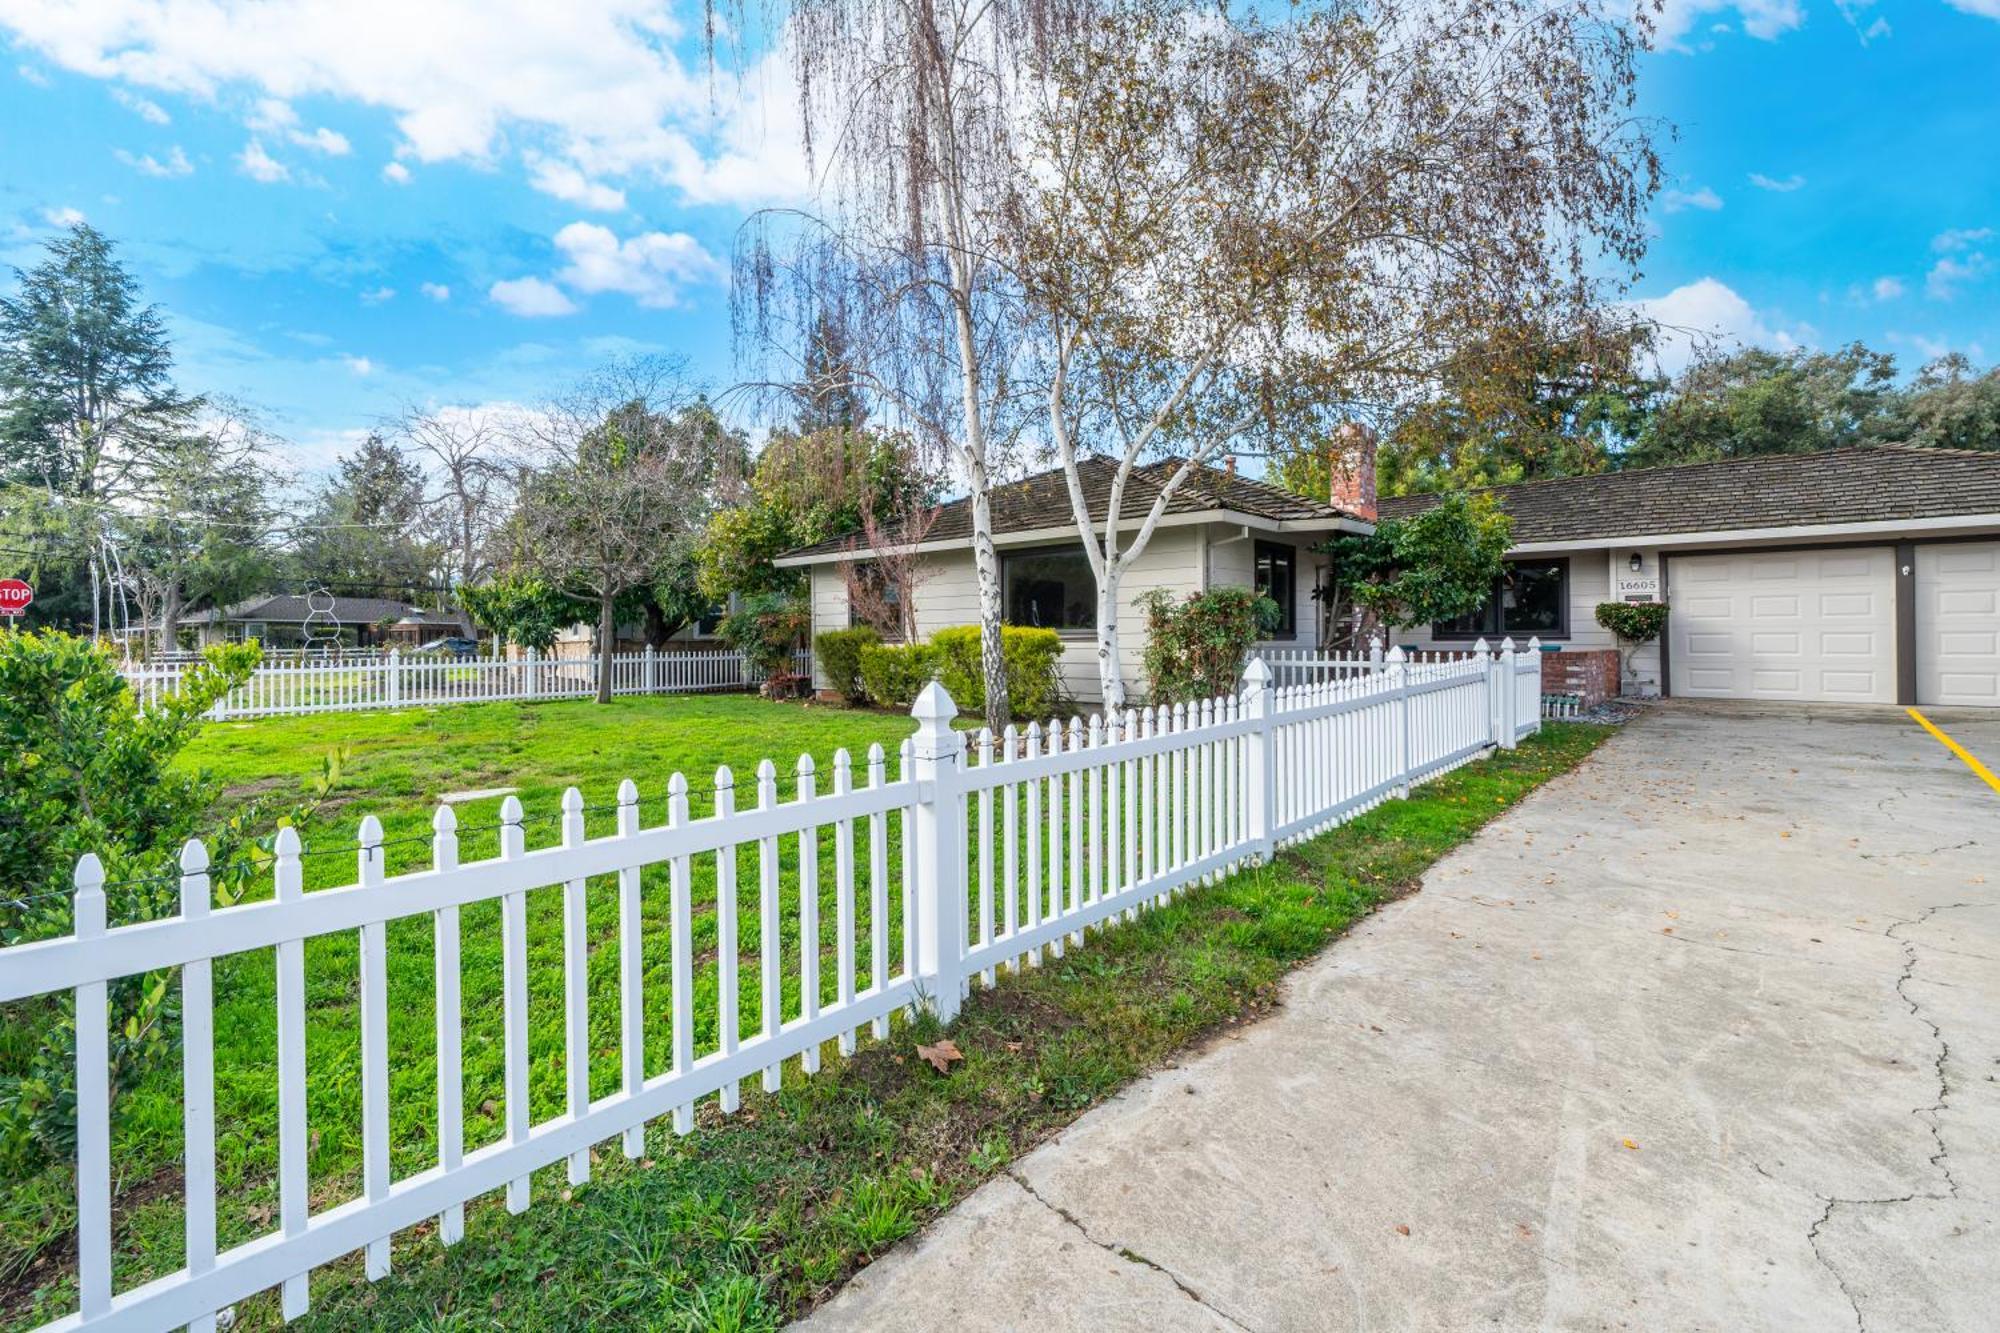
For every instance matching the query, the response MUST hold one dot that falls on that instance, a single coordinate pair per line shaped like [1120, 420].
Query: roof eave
[1058, 532]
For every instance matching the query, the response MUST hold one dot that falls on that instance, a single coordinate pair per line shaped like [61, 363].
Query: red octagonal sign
[14, 597]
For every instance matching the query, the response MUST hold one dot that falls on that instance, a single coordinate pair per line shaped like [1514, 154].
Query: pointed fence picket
[1011, 848]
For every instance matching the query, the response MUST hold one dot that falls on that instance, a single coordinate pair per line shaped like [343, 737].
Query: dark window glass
[1050, 590]
[1531, 597]
[1277, 578]
[872, 585]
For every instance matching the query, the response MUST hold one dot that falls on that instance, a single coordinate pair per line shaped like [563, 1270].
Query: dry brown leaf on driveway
[942, 1054]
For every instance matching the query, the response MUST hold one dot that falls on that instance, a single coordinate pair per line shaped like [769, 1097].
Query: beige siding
[829, 609]
[1232, 564]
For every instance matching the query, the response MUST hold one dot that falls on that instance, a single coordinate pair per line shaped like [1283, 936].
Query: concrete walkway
[1703, 1036]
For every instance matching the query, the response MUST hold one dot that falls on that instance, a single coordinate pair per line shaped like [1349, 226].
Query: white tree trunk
[992, 652]
[1110, 678]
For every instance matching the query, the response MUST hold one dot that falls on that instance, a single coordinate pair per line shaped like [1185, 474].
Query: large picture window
[1531, 597]
[1277, 578]
[1050, 589]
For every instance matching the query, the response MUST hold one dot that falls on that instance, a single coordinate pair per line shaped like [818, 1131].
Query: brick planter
[1591, 673]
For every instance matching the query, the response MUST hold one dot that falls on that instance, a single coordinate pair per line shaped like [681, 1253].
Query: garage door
[1808, 625]
[1958, 623]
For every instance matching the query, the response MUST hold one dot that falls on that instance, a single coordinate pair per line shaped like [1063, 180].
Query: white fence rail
[398, 681]
[977, 853]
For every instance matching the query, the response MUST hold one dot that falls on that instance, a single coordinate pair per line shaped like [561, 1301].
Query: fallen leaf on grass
[1631, 1144]
[941, 1055]
[1402, 1230]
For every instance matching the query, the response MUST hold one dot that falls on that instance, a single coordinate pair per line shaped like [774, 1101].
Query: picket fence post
[1260, 760]
[534, 674]
[1398, 666]
[652, 669]
[395, 677]
[1510, 693]
[940, 877]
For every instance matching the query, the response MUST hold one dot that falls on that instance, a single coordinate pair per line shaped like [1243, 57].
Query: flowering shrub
[1195, 648]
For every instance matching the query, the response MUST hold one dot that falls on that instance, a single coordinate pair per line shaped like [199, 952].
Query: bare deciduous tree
[1238, 224]
[462, 454]
[882, 590]
[621, 466]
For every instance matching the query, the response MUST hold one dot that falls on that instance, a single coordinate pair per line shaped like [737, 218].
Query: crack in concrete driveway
[1521, 1100]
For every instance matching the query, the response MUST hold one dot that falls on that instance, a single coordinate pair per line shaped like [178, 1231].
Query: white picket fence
[422, 681]
[1007, 848]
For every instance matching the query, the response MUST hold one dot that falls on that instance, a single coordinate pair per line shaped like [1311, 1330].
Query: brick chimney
[1354, 470]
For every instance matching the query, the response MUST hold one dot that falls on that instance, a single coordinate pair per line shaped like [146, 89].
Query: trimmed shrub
[1634, 622]
[892, 675]
[1195, 649]
[1034, 687]
[839, 652]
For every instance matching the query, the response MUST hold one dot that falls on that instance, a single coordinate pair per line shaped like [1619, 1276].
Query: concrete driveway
[1703, 1036]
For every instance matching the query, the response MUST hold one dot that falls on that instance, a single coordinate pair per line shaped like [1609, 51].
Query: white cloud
[1765, 19]
[531, 298]
[145, 108]
[600, 85]
[1709, 311]
[1960, 238]
[377, 295]
[275, 116]
[1887, 288]
[259, 165]
[360, 365]
[652, 267]
[1785, 186]
[1704, 198]
[1986, 9]
[436, 291]
[62, 217]
[1949, 274]
[396, 174]
[29, 74]
[146, 164]
[566, 183]
[1930, 349]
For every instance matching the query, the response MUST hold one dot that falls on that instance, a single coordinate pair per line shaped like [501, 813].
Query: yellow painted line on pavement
[1985, 773]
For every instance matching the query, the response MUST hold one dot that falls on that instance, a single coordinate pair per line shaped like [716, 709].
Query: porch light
[1635, 563]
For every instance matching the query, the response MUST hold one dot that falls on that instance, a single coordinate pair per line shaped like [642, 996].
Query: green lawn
[750, 1219]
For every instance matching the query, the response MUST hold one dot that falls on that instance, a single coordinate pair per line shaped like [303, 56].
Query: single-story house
[1219, 529]
[287, 620]
[1863, 575]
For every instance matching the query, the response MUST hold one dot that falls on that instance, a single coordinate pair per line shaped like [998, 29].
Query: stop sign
[14, 597]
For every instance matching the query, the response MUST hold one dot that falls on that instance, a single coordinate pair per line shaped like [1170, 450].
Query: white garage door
[1958, 623]
[1785, 625]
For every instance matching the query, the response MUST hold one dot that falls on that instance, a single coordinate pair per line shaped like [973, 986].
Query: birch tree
[1238, 225]
[911, 125]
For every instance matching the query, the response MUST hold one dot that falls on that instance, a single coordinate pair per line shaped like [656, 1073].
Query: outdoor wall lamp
[1635, 563]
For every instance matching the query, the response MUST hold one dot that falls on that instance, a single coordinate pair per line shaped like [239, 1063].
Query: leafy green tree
[87, 400]
[806, 488]
[358, 536]
[1431, 566]
[1949, 405]
[1762, 402]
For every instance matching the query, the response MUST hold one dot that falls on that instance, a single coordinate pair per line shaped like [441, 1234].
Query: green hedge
[839, 653]
[893, 675]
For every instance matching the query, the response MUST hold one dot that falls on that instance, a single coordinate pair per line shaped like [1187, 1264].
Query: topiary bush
[1034, 686]
[839, 653]
[1195, 648]
[1635, 624]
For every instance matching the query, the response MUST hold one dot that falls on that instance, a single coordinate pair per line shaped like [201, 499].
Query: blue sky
[351, 206]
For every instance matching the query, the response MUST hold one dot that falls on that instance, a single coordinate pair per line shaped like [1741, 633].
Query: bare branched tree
[908, 107]
[882, 590]
[462, 452]
[621, 466]
[1240, 223]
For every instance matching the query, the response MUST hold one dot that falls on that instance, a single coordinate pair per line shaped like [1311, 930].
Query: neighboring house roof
[1878, 484]
[1041, 503]
[291, 609]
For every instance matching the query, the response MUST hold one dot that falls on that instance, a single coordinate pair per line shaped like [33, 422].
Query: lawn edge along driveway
[758, 1218]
